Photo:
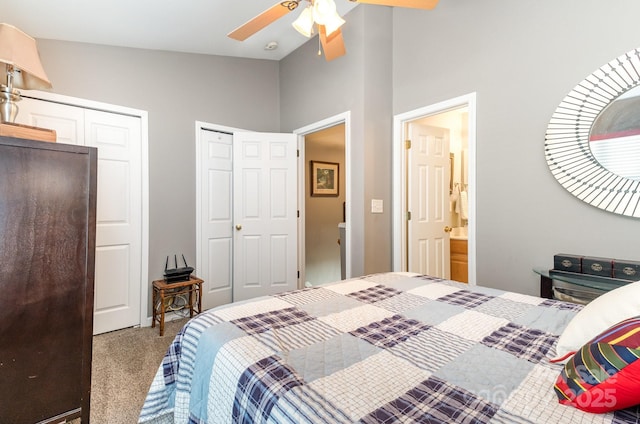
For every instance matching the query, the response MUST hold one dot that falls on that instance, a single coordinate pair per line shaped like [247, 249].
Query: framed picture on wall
[324, 178]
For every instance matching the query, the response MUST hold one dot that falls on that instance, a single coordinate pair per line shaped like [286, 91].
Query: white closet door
[215, 238]
[265, 214]
[67, 121]
[118, 227]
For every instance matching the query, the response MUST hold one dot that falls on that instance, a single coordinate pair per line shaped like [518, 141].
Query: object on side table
[574, 287]
[574, 293]
[626, 270]
[597, 266]
[177, 274]
[567, 262]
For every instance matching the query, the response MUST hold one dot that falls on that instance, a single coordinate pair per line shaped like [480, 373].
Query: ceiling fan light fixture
[323, 10]
[304, 23]
[319, 16]
[333, 23]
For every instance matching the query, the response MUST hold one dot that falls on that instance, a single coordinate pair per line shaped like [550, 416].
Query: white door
[215, 235]
[118, 268]
[67, 121]
[428, 201]
[247, 197]
[265, 214]
[118, 219]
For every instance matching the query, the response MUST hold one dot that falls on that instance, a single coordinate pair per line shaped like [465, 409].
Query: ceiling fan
[320, 13]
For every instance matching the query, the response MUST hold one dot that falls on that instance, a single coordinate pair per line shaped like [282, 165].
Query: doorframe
[342, 118]
[145, 319]
[400, 122]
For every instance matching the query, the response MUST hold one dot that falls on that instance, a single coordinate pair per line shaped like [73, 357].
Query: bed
[383, 348]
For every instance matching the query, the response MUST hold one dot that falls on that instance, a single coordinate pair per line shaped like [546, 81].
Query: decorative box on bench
[580, 279]
[602, 267]
[626, 270]
[567, 262]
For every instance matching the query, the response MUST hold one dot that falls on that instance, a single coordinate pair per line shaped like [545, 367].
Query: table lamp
[22, 69]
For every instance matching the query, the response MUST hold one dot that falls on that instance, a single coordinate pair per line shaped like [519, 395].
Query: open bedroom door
[428, 200]
[458, 115]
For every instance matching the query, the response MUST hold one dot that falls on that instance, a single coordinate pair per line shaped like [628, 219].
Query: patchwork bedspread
[385, 348]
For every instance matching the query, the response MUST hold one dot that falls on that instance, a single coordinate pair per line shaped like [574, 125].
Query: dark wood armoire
[47, 254]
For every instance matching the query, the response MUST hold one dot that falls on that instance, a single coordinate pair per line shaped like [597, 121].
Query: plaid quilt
[385, 348]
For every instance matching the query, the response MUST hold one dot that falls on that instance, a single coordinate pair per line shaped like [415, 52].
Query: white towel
[455, 199]
[464, 205]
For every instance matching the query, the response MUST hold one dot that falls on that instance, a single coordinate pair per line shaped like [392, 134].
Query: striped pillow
[604, 375]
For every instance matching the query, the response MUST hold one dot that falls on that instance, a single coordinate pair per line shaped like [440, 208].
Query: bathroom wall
[322, 214]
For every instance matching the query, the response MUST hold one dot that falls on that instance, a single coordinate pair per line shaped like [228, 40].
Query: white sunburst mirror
[592, 144]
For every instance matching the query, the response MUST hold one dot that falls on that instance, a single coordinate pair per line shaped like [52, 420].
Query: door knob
[238, 227]
[448, 229]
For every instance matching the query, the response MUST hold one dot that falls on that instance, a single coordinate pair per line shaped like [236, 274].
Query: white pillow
[598, 315]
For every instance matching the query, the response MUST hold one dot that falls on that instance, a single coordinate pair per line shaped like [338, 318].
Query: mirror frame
[567, 150]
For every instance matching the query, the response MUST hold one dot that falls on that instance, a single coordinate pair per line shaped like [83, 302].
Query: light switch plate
[377, 206]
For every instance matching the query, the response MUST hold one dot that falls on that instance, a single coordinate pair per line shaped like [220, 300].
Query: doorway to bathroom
[332, 137]
[434, 190]
[324, 205]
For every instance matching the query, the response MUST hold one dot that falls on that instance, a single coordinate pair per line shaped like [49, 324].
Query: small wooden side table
[163, 292]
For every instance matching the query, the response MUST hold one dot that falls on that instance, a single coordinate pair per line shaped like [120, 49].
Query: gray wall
[359, 82]
[521, 58]
[323, 213]
[176, 90]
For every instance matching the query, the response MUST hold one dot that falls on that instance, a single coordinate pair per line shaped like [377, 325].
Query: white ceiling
[194, 26]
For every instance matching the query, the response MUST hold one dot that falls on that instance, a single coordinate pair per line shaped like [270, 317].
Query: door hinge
[408, 215]
[298, 275]
[298, 152]
[298, 214]
[407, 144]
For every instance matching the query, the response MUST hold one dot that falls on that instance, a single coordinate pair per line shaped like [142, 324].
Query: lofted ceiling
[193, 26]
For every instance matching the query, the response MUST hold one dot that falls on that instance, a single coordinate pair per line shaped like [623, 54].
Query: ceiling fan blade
[270, 15]
[415, 4]
[332, 45]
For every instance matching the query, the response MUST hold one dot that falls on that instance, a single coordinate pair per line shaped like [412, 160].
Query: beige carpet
[124, 363]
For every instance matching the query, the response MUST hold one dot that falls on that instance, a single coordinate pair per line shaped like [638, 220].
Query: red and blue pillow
[604, 375]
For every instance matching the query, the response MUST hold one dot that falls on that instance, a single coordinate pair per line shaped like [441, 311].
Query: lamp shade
[304, 23]
[19, 50]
